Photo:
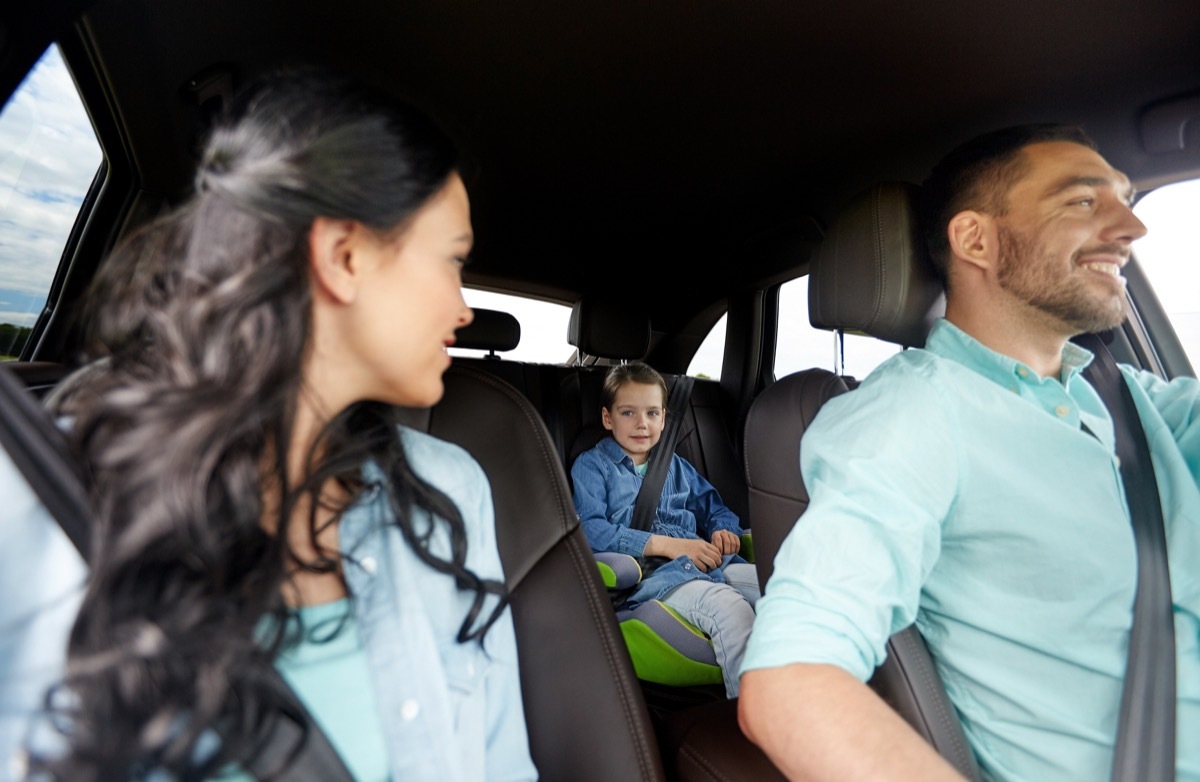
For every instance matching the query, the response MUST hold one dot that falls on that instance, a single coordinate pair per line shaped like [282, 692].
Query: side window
[707, 361]
[1167, 254]
[800, 346]
[49, 156]
[543, 326]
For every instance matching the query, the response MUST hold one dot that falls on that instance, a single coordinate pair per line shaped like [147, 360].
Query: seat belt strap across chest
[650, 492]
[1144, 750]
[39, 451]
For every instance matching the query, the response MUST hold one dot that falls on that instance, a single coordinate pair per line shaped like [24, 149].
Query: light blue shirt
[448, 711]
[956, 488]
[41, 585]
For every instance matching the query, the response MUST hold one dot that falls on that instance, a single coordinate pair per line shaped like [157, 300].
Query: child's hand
[726, 541]
[705, 555]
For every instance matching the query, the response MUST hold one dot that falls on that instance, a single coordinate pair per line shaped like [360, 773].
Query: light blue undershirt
[957, 480]
[330, 675]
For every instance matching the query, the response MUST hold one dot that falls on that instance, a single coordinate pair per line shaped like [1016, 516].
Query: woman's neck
[311, 536]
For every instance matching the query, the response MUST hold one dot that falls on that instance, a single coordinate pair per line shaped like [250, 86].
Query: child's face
[636, 419]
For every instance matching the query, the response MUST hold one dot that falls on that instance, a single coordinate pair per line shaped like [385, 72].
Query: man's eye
[1085, 202]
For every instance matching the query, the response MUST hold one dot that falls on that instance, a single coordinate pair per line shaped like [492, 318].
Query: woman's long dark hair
[184, 416]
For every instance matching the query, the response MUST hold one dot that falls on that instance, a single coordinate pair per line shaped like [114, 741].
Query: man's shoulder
[913, 371]
[914, 387]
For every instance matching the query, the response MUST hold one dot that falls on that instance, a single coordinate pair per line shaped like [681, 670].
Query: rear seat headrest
[871, 273]
[606, 330]
[490, 330]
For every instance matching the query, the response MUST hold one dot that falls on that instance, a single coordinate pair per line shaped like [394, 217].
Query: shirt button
[409, 710]
[370, 565]
[1061, 411]
[1117, 462]
[470, 669]
[1022, 371]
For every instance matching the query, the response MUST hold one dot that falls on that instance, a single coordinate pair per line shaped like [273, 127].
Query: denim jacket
[606, 486]
[450, 711]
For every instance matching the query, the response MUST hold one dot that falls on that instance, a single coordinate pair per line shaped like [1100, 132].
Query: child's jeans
[725, 612]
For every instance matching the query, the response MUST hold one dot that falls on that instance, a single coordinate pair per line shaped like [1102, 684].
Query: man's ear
[973, 239]
[331, 247]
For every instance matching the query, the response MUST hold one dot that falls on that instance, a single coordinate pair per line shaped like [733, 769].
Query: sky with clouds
[49, 156]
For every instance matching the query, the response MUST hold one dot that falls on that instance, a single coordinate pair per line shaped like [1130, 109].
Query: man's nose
[1125, 225]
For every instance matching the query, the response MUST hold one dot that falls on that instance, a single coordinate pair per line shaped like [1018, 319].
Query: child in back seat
[703, 578]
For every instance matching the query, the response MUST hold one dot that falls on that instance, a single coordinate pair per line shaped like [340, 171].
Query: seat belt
[1144, 750]
[650, 493]
[646, 504]
[38, 449]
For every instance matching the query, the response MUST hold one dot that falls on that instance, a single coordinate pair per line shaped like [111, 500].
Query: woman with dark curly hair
[256, 504]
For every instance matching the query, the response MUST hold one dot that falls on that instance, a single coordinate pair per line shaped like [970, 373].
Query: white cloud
[19, 318]
[48, 158]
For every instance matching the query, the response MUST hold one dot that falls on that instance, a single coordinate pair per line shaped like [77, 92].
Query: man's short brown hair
[978, 175]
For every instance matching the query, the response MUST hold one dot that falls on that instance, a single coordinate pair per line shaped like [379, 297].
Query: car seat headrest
[606, 330]
[872, 274]
[491, 330]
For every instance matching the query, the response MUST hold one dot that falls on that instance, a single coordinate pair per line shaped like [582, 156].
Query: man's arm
[1178, 402]
[817, 722]
[881, 465]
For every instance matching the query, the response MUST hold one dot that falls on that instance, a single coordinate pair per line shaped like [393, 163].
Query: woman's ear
[331, 247]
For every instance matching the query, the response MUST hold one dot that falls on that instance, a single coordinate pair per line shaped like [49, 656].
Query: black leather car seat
[870, 276]
[586, 714]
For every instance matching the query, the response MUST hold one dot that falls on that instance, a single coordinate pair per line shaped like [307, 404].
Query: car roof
[629, 148]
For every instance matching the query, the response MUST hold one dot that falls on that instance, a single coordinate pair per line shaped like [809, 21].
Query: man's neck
[1032, 340]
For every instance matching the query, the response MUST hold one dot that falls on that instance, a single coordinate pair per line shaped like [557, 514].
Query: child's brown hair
[624, 374]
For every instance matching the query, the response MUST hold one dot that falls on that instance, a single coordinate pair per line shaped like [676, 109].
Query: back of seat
[602, 329]
[499, 332]
[775, 423]
[870, 276]
[568, 397]
[586, 714]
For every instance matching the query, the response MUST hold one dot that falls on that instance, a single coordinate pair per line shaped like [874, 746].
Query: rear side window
[706, 364]
[49, 157]
[800, 346]
[543, 326]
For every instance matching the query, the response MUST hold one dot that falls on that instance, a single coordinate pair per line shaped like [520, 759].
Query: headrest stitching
[881, 261]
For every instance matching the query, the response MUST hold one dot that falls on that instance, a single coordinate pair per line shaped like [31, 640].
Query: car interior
[656, 167]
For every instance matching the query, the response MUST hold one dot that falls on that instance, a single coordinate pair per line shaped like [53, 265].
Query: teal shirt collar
[951, 342]
[1069, 398]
